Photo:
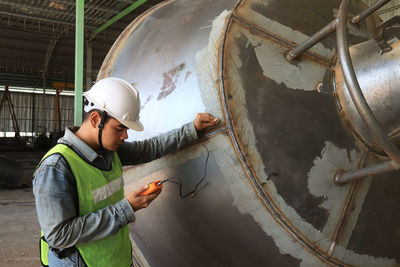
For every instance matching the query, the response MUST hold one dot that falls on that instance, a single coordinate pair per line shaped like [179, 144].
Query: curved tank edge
[251, 176]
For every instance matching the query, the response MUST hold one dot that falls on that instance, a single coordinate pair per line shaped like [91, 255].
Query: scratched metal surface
[268, 197]
[205, 229]
[167, 40]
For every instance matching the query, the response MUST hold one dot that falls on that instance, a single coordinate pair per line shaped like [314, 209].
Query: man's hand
[204, 120]
[139, 202]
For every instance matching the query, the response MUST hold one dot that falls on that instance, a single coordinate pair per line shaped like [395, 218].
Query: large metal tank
[268, 197]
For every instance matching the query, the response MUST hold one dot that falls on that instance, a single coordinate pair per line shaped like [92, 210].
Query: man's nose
[125, 134]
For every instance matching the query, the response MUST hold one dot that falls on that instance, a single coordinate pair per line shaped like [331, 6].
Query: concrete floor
[19, 231]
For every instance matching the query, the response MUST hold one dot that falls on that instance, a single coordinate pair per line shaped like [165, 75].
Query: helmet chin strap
[101, 126]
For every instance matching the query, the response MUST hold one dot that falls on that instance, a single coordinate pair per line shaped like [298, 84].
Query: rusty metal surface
[311, 16]
[235, 88]
[269, 197]
[377, 232]
[291, 127]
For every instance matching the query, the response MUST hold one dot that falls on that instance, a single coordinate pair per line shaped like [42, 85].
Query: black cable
[197, 185]
[101, 126]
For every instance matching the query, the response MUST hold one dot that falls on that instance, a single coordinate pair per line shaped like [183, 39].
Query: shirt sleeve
[56, 203]
[137, 152]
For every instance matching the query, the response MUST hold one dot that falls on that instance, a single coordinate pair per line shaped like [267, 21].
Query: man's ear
[94, 119]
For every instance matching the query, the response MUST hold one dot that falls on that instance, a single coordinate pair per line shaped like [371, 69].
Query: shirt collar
[78, 145]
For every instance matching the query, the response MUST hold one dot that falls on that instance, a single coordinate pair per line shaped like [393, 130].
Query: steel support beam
[36, 18]
[53, 42]
[88, 6]
[330, 28]
[88, 65]
[371, 9]
[42, 19]
[342, 177]
[313, 40]
[46, 28]
[119, 16]
[386, 10]
[125, 1]
[48, 11]
[79, 41]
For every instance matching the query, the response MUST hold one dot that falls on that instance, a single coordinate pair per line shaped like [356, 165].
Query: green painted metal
[119, 16]
[79, 41]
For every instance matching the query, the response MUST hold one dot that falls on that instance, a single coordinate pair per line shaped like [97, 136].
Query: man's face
[114, 134]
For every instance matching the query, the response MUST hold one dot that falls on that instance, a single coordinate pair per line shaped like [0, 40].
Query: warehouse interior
[38, 66]
[38, 71]
[37, 91]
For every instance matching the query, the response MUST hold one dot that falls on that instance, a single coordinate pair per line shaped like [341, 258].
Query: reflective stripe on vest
[98, 189]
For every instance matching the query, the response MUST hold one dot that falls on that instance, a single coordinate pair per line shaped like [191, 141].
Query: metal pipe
[119, 16]
[330, 28]
[354, 88]
[345, 210]
[371, 9]
[79, 39]
[89, 51]
[33, 113]
[313, 40]
[386, 10]
[342, 177]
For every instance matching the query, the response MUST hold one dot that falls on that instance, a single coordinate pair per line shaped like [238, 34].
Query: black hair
[86, 115]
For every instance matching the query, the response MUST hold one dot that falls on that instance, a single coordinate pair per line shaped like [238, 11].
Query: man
[78, 185]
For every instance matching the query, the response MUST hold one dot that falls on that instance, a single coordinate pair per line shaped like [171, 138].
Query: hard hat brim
[137, 125]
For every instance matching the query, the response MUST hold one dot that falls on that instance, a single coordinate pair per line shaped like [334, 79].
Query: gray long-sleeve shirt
[55, 191]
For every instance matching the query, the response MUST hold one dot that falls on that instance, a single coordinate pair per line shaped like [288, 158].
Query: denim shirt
[56, 196]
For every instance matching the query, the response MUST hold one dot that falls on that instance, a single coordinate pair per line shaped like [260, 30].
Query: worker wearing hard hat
[78, 185]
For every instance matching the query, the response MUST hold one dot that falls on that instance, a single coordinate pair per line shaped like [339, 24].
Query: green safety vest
[97, 189]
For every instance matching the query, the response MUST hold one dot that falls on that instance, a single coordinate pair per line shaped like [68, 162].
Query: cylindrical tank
[378, 77]
[268, 197]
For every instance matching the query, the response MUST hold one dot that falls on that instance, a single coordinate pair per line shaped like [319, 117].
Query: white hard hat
[118, 98]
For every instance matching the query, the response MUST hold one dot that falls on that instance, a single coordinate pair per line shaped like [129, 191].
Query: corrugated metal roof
[30, 30]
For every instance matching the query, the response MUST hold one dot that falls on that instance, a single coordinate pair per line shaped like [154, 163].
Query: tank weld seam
[278, 216]
[282, 41]
[343, 115]
[347, 204]
[215, 132]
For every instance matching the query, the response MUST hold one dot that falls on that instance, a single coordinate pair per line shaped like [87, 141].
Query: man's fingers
[139, 202]
[207, 117]
[204, 120]
[155, 193]
[142, 189]
[212, 120]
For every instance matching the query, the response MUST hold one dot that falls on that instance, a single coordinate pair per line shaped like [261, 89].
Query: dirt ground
[19, 229]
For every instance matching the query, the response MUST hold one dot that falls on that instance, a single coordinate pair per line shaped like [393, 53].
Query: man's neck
[84, 133]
